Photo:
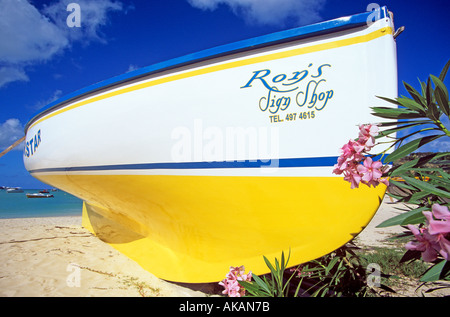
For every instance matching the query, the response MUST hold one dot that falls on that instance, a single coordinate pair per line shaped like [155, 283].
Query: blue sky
[42, 59]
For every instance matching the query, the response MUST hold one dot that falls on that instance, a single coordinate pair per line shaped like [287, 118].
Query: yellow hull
[193, 228]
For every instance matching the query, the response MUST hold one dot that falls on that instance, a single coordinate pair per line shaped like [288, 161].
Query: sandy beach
[57, 257]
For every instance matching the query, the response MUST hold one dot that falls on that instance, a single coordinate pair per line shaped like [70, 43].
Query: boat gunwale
[295, 34]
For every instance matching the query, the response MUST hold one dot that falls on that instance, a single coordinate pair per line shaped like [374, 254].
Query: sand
[57, 257]
[376, 237]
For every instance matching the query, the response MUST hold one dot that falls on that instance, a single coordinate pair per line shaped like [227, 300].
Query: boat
[44, 191]
[11, 190]
[221, 157]
[39, 195]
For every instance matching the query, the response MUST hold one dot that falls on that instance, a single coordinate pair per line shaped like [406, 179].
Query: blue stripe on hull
[286, 162]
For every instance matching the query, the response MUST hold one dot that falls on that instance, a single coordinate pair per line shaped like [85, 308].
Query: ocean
[18, 205]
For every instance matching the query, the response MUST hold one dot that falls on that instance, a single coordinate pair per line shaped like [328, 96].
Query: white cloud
[10, 131]
[28, 36]
[10, 74]
[270, 12]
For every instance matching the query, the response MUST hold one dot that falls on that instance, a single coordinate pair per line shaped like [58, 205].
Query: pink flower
[368, 130]
[300, 272]
[438, 221]
[442, 224]
[370, 170]
[367, 134]
[425, 243]
[351, 175]
[352, 154]
[231, 284]
[444, 246]
[433, 239]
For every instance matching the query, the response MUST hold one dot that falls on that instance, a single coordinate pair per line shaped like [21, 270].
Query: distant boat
[217, 158]
[39, 195]
[14, 190]
[44, 191]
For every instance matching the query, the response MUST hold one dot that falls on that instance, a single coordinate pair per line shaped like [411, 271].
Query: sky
[43, 59]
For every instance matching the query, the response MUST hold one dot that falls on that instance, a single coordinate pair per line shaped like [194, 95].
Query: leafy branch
[421, 183]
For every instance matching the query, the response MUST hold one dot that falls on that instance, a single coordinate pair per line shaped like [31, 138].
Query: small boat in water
[217, 158]
[39, 195]
[11, 190]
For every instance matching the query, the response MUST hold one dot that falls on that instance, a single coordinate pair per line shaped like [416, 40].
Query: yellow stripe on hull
[193, 228]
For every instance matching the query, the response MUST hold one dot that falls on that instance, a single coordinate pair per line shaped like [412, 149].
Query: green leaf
[263, 285]
[429, 93]
[331, 265]
[424, 87]
[395, 113]
[411, 104]
[269, 265]
[416, 96]
[401, 184]
[400, 219]
[410, 147]
[417, 197]
[252, 288]
[396, 197]
[438, 83]
[441, 94]
[395, 102]
[413, 218]
[396, 129]
[425, 186]
[444, 71]
[434, 272]
[388, 124]
[442, 100]
[441, 180]
[433, 112]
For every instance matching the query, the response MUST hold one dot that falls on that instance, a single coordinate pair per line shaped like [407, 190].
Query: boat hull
[218, 162]
[192, 228]
[39, 196]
